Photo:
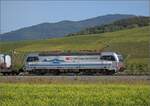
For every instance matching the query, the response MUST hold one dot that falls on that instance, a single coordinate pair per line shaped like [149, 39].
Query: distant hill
[59, 29]
[133, 22]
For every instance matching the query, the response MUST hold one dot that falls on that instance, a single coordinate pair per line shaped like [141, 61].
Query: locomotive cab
[114, 57]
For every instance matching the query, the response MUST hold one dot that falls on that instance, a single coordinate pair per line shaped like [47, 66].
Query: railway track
[75, 79]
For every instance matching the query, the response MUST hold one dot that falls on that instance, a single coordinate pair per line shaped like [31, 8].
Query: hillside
[58, 29]
[132, 43]
[133, 22]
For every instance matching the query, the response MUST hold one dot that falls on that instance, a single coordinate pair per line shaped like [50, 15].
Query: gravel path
[75, 79]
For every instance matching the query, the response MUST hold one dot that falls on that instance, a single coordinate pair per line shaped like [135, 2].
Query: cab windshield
[32, 59]
[120, 58]
[108, 58]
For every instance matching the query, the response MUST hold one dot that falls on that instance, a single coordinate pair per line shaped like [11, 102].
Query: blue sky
[18, 14]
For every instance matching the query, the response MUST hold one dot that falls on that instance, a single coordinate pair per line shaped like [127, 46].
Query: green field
[132, 43]
[74, 95]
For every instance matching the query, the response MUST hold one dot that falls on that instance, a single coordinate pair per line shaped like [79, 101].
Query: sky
[17, 14]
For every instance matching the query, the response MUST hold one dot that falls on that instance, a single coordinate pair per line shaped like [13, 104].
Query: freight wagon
[5, 63]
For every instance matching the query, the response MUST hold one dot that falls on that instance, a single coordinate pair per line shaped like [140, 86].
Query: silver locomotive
[105, 62]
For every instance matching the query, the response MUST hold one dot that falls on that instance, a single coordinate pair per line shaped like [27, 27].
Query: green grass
[132, 43]
[74, 95]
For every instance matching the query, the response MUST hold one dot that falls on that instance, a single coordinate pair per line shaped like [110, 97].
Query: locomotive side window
[32, 59]
[108, 58]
